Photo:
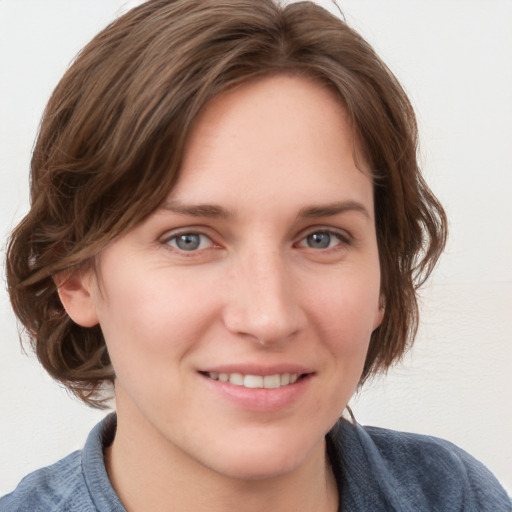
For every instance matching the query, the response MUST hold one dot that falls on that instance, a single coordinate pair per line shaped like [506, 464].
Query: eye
[189, 241]
[323, 239]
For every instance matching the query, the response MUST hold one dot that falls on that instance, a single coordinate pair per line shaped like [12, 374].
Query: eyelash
[174, 237]
[342, 237]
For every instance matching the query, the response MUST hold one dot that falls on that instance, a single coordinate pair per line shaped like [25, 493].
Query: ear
[379, 314]
[75, 292]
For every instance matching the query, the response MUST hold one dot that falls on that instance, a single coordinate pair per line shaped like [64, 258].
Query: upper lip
[263, 370]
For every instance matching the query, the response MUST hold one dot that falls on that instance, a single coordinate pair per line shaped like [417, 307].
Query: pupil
[319, 240]
[188, 242]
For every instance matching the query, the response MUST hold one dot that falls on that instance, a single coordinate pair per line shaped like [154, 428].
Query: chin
[258, 468]
[257, 460]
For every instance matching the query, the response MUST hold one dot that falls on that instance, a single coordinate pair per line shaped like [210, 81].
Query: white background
[454, 58]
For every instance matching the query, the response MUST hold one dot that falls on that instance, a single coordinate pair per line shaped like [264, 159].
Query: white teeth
[253, 381]
[272, 381]
[256, 381]
[236, 378]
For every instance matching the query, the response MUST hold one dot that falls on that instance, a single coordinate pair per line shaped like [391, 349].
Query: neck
[149, 473]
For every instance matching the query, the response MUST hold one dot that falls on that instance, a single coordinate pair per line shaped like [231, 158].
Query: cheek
[152, 320]
[348, 307]
[344, 319]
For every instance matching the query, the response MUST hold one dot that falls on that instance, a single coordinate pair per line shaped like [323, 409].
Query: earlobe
[379, 316]
[75, 292]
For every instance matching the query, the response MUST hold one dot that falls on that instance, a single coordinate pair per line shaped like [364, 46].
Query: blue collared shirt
[375, 469]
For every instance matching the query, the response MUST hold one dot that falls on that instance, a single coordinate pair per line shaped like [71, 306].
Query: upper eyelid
[344, 233]
[342, 241]
[175, 234]
[207, 232]
[197, 230]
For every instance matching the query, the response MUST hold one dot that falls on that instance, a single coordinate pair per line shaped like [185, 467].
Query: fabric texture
[376, 470]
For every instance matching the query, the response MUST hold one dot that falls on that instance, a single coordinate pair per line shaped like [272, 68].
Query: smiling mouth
[256, 381]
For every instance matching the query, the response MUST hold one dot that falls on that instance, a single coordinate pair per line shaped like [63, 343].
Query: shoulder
[422, 455]
[77, 483]
[421, 471]
[58, 487]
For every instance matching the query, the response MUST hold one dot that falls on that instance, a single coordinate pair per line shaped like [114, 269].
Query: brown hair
[112, 137]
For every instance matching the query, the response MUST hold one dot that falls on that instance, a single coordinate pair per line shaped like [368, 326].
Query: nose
[264, 303]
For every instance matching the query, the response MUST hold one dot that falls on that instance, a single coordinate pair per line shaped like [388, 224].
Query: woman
[228, 225]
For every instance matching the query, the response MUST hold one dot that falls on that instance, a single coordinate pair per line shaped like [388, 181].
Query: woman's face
[260, 269]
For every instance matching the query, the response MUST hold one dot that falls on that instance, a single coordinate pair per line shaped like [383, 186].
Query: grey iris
[319, 240]
[188, 241]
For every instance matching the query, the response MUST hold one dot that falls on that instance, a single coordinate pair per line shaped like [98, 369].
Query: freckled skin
[261, 285]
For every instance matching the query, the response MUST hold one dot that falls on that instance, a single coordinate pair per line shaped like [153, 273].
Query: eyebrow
[332, 209]
[197, 210]
[309, 212]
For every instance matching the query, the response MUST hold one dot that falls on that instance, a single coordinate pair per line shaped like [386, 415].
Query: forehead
[278, 137]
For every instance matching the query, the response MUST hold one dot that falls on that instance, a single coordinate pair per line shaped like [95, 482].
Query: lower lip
[261, 399]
